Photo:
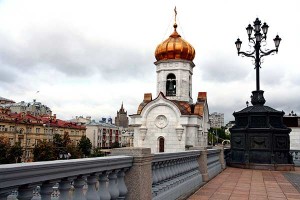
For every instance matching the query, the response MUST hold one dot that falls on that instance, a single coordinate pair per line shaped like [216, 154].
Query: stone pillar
[221, 156]
[202, 162]
[138, 178]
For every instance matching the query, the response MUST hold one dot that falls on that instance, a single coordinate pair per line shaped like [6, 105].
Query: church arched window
[171, 85]
[161, 144]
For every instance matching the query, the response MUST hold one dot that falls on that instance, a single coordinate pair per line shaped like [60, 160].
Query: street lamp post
[259, 137]
[255, 40]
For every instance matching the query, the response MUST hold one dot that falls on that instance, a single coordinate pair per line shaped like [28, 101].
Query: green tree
[85, 145]
[214, 133]
[74, 151]
[97, 152]
[4, 147]
[66, 140]
[44, 151]
[15, 153]
[57, 144]
[115, 145]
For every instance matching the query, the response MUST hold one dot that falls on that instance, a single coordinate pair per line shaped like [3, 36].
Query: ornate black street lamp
[259, 139]
[257, 53]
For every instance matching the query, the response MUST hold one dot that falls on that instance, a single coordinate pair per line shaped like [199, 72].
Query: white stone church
[171, 122]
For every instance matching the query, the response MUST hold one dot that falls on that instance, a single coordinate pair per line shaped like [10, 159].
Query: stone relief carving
[161, 121]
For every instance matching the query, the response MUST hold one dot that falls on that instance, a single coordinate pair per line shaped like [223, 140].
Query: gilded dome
[175, 48]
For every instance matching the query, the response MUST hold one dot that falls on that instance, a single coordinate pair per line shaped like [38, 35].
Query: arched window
[161, 144]
[171, 85]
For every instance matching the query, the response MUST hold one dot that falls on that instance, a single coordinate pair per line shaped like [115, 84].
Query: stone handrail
[214, 162]
[175, 175]
[130, 173]
[102, 177]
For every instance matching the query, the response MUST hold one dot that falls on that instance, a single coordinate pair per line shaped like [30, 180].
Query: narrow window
[171, 85]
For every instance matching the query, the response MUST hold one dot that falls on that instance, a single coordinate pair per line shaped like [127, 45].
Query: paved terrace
[246, 184]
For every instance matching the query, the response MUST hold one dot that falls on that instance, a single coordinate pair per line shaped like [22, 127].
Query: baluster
[78, 188]
[173, 173]
[154, 177]
[162, 171]
[176, 169]
[3, 196]
[157, 172]
[189, 164]
[121, 184]
[112, 185]
[25, 192]
[46, 190]
[55, 193]
[180, 166]
[167, 169]
[103, 191]
[172, 168]
[64, 189]
[91, 191]
[4, 193]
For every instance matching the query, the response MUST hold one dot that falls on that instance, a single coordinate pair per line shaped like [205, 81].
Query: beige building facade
[29, 130]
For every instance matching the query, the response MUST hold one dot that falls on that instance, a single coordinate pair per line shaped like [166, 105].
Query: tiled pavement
[242, 184]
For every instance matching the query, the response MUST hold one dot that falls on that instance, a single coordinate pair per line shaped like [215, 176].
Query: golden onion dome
[175, 48]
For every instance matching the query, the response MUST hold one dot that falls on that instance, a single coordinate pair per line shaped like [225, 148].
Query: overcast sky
[86, 57]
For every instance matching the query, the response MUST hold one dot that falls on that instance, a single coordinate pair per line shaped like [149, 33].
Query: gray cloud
[221, 69]
[73, 55]
[7, 75]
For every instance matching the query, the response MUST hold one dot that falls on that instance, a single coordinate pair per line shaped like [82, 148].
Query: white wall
[295, 138]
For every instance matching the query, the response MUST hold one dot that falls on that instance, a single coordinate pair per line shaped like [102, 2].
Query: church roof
[185, 107]
[175, 47]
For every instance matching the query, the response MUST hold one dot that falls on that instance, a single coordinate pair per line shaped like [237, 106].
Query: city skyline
[83, 58]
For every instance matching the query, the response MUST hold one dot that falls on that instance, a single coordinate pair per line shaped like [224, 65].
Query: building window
[37, 130]
[2, 127]
[28, 130]
[12, 128]
[11, 141]
[28, 142]
[171, 85]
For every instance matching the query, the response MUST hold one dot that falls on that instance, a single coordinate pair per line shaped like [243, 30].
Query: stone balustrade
[175, 175]
[78, 179]
[215, 164]
[130, 173]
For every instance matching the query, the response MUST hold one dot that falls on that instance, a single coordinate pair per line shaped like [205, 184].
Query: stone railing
[215, 162]
[130, 173]
[80, 179]
[175, 175]
[296, 157]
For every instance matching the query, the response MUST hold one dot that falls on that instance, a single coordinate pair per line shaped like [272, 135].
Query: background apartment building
[216, 120]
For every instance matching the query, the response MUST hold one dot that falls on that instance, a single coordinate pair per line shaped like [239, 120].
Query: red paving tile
[245, 184]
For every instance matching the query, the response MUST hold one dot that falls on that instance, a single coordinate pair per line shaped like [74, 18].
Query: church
[171, 122]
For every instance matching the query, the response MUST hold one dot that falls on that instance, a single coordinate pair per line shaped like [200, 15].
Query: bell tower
[174, 67]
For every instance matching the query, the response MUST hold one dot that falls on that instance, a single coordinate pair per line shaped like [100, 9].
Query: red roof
[7, 116]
